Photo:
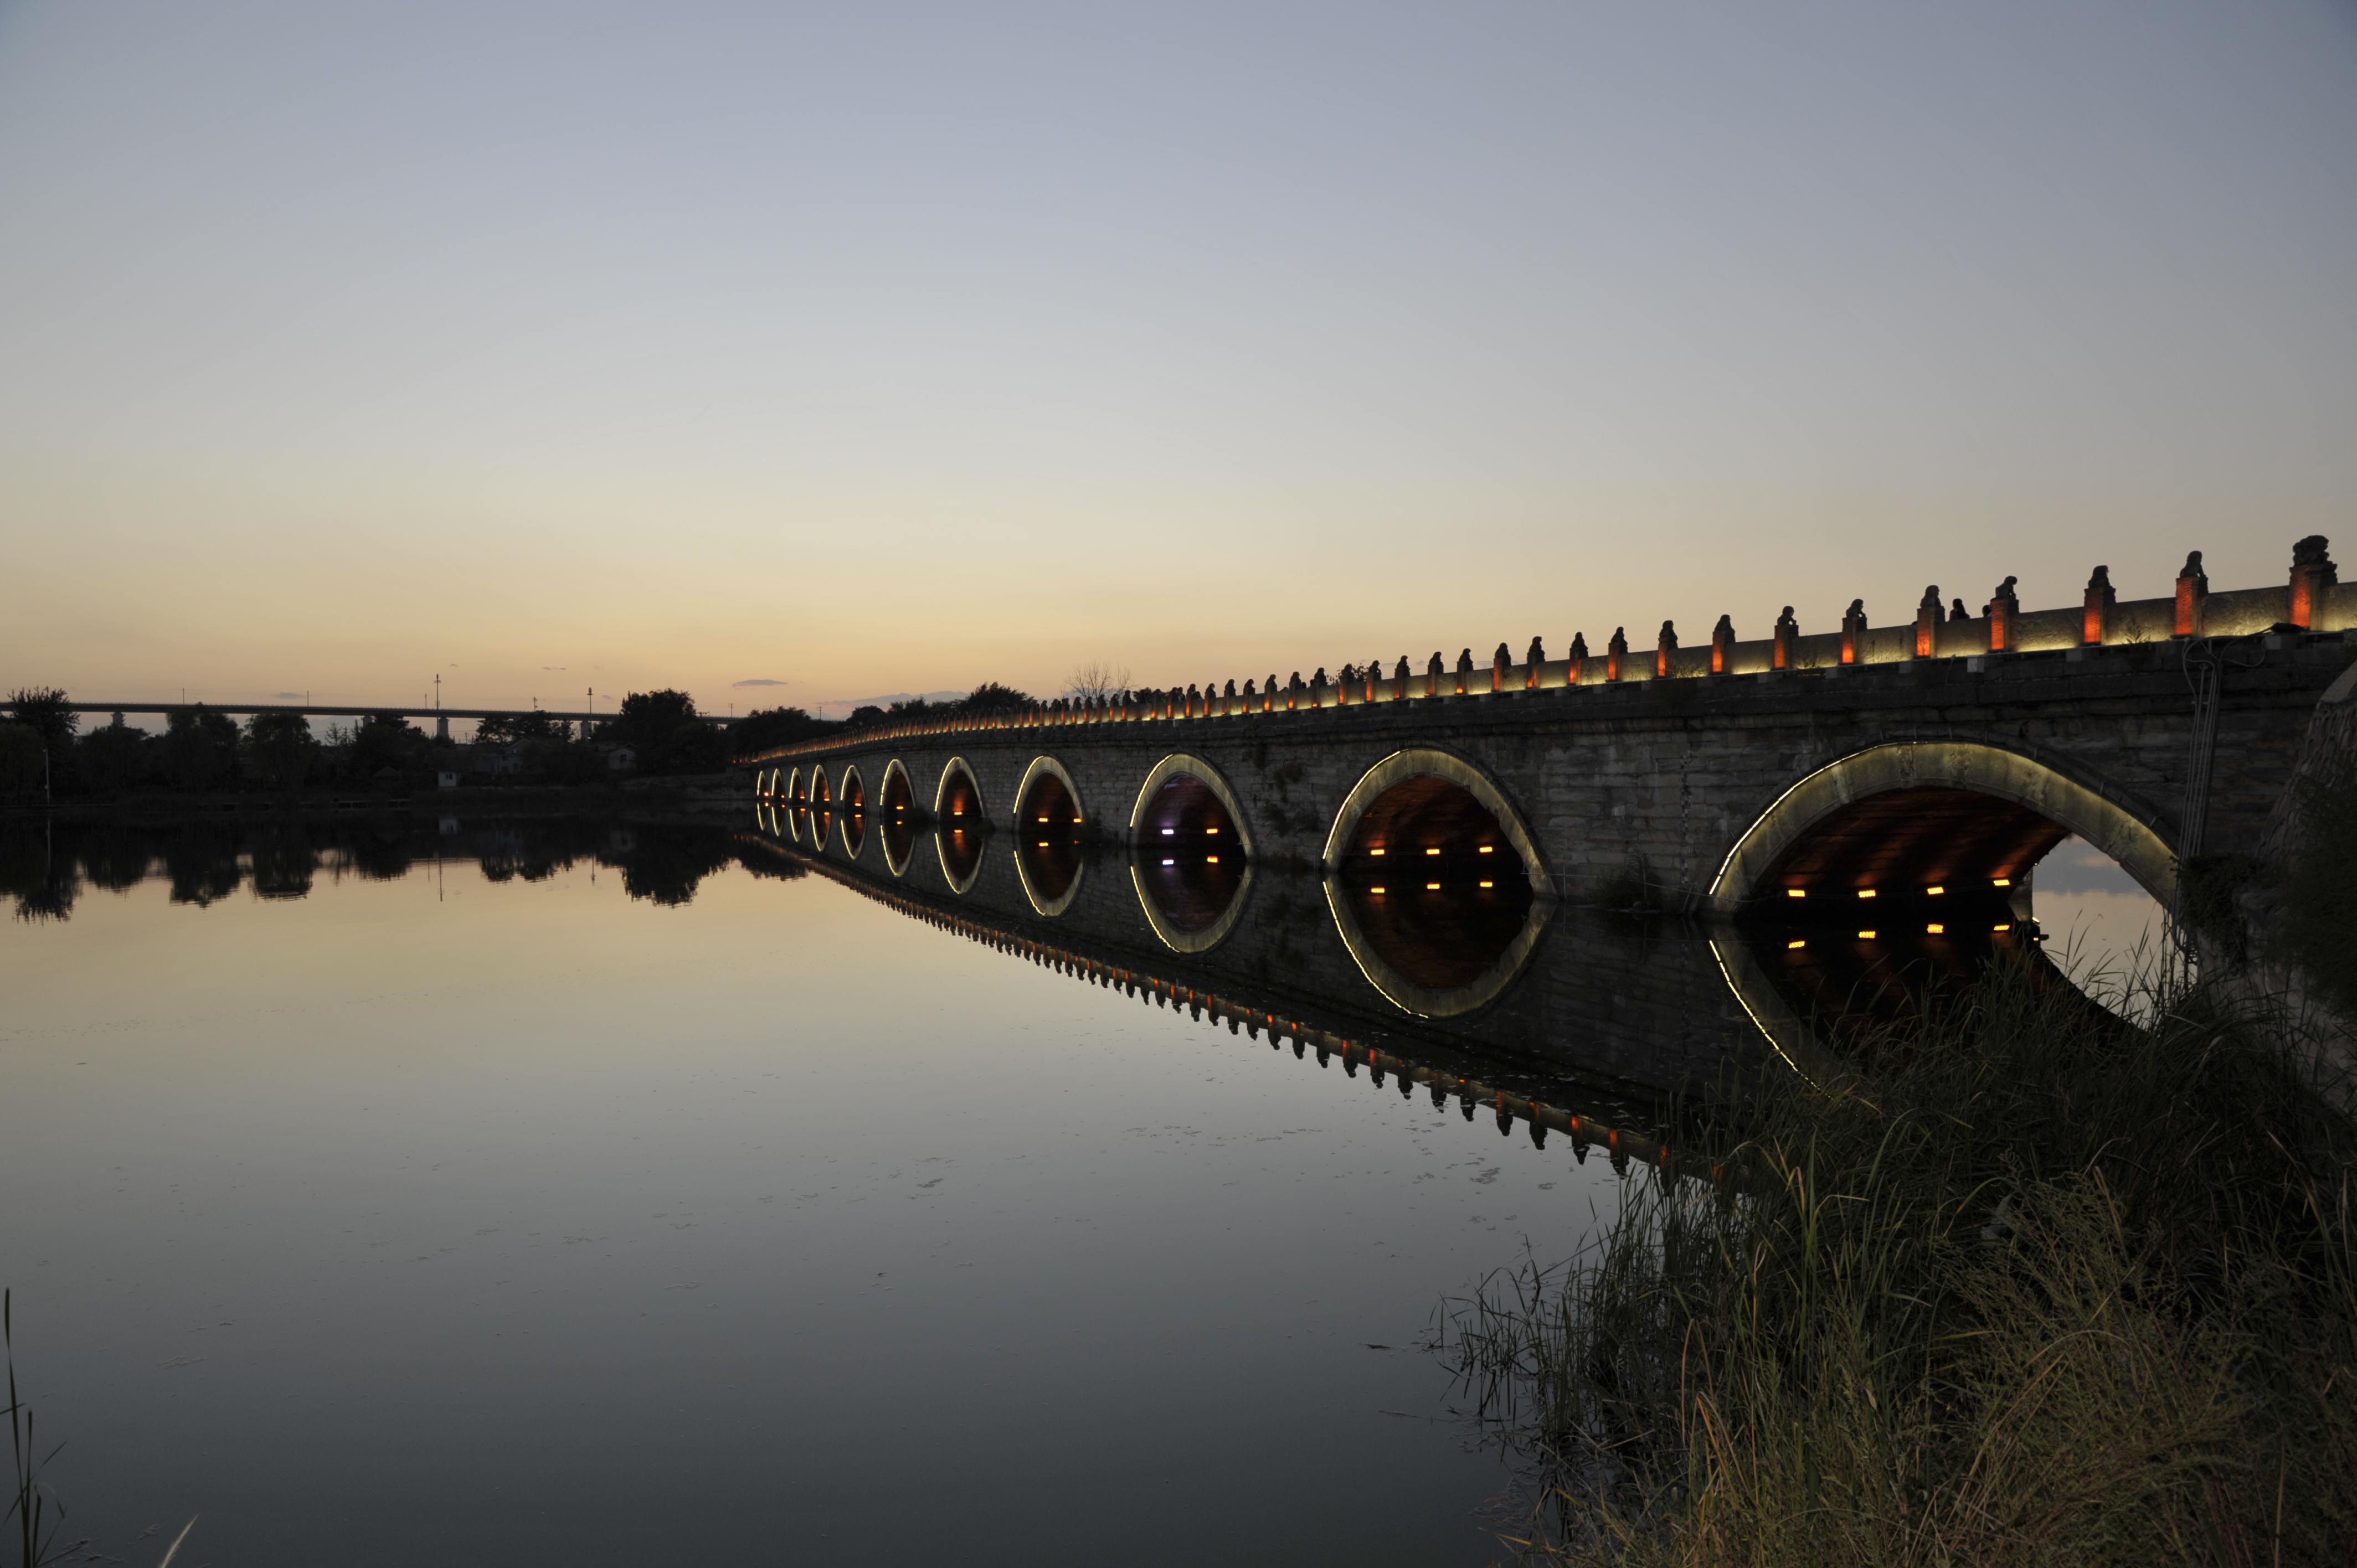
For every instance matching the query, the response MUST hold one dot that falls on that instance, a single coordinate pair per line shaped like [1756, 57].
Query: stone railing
[2312, 599]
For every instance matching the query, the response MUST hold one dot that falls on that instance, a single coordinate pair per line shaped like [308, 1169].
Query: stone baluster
[1228, 703]
[1268, 696]
[1852, 644]
[2192, 591]
[1433, 676]
[1615, 651]
[1788, 632]
[1317, 688]
[1292, 693]
[1665, 649]
[1252, 695]
[1195, 708]
[1575, 661]
[1399, 681]
[2313, 578]
[1532, 664]
[2100, 601]
[1374, 680]
[2004, 609]
[1927, 623]
[1722, 644]
[1464, 671]
[1499, 663]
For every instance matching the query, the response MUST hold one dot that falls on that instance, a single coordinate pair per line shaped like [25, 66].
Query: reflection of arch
[1176, 937]
[853, 794]
[1843, 792]
[961, 855]
[1425, 763]
[1048, 768]
[1179, 764]
[1453, 774]
[1054, 881]
[794, 787]
[895, 797]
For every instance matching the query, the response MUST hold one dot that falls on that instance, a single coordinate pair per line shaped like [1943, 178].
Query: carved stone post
[1293, 690]
[1614, 652]
[1532, 665]
[1576, 663]
[1665, 649]
[1399, 681]
[2192, 589]
[1464, 671]
[1317, 688]
[1853, 647]
[1722, 645]
[1927, 623]
[1499, 663]
[1788, 631]
[1434, 676]
[2100, 601]
[2004, 609]
[2313, 578]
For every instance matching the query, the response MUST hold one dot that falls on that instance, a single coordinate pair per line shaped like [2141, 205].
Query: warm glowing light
[2005, 927]
[1795, 893]
[1432, 887]
[2000, 881]
[1043, 818]
[1433, 851]
[1486, 848]
[1866, 892]
[1374, 852]
[1375, 889]
[1212, 859]
[1935, 890]
[1804, 943]
[1043, 843]
[1934, 929]
[1486, 884]
[1169, 863]
[1866, 936]
[1212, 830]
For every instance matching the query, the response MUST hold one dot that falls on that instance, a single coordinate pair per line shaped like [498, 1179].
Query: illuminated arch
[851, 792]
[1810, 806]
[1404, 991]
[956, 768]
[1047, 769]
[898, 865]
[1177, 764]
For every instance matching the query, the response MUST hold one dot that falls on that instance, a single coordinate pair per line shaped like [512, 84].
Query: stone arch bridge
[1909, 775]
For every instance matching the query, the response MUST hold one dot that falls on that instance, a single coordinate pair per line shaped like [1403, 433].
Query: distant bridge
[350, 711]
[1902, 776]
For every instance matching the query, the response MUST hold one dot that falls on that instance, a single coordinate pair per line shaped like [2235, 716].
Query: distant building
[447, 779]
[622, 759]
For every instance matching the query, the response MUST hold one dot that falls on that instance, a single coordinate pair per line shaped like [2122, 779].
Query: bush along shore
[2031, 1285]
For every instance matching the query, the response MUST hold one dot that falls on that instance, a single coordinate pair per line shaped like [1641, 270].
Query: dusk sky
[900, 346]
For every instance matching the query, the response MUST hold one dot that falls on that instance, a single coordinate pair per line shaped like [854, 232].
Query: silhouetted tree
[20, 759]
[990, 697]
[43, 710]
[199, 747]
[115, 756]
[283, 749]
[775, 728]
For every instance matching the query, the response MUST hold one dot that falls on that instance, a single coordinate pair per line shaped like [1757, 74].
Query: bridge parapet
[2312, 599]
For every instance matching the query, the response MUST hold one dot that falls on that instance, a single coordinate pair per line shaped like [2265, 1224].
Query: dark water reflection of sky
[436, 1218]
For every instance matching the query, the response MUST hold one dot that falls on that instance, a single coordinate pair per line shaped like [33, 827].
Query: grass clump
[2037, 1288]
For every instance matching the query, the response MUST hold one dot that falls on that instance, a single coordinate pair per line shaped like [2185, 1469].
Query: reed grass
[2036, 1286]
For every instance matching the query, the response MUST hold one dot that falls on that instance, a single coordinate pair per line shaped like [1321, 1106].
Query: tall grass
[2035, 1287]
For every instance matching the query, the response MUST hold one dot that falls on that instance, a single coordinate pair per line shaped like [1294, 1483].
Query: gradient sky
[900, 347]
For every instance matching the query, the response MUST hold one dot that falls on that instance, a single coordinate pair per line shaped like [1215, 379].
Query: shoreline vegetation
[2031, 1286]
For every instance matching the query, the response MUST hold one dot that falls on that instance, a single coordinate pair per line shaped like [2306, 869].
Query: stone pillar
[1292, 693]
[1665, 649]
[2100, 601]
[2192, 589]
[1615, 651]
[1434, 676]
[1853, 647]
[1229, 705]
[1399, 681]
[1195, 705]
[1722, 645]
[1575, 664]
[1927, 623]
[1499, 663]
[1464, 671]
[1317, 688]
[1533, 665]
[2004, 609]
[1788, 631]
[1268, 696]
[2313, 578]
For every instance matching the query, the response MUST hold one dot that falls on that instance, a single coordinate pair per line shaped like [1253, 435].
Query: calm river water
[589, 1192]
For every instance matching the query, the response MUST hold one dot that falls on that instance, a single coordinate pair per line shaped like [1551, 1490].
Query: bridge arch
[852, 794]
[1194, 862]
[794, 789]
[1048, 814]
[1917, 814]
[1433, 922]
[958, 825]
[896, 802]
